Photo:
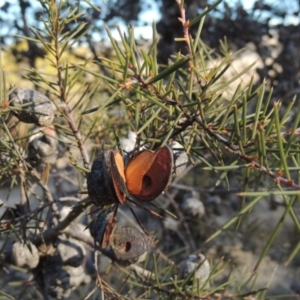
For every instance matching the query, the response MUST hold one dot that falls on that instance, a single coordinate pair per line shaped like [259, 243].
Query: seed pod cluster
[58, 266]
[110, 182]
[144, 178]
[62, 267]
[32, 107]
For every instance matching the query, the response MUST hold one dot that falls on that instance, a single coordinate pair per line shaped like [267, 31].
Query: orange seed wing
[148, 173]
[118, 176]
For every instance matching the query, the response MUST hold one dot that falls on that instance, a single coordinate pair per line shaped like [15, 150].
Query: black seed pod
[102, 227]
[100, 182]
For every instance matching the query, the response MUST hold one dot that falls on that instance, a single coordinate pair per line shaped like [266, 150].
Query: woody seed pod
[128, 244]
[43, 147]
[103, 226]
[100, 182]
[33, 107]
[145, 177]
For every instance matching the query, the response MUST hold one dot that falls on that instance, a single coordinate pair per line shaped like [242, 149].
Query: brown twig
[271, 137]
[185, 24]
[88, 240]
[63, 97]
[77, 134]
[233, 148]
[25, 216]
[45, 188]
[52, 233]
[252, 163]
[24, 203]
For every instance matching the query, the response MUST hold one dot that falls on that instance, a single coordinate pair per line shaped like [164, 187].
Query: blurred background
[268, 30]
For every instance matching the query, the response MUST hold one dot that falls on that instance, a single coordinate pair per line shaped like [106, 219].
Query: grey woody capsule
[32, 107]
[128, 243]
[43, 147]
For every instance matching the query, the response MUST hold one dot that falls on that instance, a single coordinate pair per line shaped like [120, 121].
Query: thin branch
[52, 233]
[77, 134]
[63, 97]
[271, 137]
[185, 24]
[25, 216]
[252, 163]
[47, 192]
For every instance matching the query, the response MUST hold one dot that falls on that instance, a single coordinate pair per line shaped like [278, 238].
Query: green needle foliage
[240, 133]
